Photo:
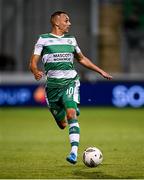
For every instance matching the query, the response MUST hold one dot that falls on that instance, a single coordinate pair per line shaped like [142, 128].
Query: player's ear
[57, 24]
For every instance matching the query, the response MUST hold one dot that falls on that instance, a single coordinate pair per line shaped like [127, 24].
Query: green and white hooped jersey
[57, 55]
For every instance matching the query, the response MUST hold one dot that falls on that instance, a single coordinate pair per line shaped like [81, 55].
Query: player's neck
[57, 32]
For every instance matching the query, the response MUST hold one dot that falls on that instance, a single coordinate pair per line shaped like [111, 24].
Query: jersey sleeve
[77, 49]
[39, 46]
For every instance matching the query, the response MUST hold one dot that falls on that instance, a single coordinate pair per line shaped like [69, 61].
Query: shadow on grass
[82, 172]
[85, 174]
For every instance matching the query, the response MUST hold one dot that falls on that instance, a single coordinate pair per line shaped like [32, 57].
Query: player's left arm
[88, 64]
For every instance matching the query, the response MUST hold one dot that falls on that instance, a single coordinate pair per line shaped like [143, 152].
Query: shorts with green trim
[59, 100]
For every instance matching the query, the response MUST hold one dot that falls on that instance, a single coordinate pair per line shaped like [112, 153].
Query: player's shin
[74, 135]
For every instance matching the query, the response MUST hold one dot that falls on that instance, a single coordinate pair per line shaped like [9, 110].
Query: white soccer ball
[92, 157]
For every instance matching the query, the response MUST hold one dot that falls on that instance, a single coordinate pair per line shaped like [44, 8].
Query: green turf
[32, 146]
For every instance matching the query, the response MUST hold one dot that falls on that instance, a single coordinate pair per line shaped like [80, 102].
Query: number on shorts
[70, 91]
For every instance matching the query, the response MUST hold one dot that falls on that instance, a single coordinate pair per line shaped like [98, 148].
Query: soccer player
[58, 50]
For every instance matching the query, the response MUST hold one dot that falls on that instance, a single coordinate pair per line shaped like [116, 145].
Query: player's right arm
[34, 68]
[36, 56]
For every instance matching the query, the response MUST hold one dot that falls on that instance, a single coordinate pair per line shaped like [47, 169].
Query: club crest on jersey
[69, 41]
[50, 40]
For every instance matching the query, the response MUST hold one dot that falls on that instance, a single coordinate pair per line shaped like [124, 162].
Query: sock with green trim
[74, 135]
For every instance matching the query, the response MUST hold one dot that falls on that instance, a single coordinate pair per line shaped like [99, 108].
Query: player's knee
[71, 114]
[62, 125]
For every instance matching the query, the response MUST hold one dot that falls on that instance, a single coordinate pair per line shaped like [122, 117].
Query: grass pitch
[33, 147]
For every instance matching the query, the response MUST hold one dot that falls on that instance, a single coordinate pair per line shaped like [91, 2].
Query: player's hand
[38, 75]
[106, 75]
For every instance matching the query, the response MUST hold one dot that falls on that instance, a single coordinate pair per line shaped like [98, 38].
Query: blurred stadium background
[110, 32]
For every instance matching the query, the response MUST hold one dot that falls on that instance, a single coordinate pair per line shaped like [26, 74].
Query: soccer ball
[92, 157]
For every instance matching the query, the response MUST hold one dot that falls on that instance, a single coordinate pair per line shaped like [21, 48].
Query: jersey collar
[56, 35]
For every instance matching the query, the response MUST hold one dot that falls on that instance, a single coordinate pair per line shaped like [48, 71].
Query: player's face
[64, 23]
